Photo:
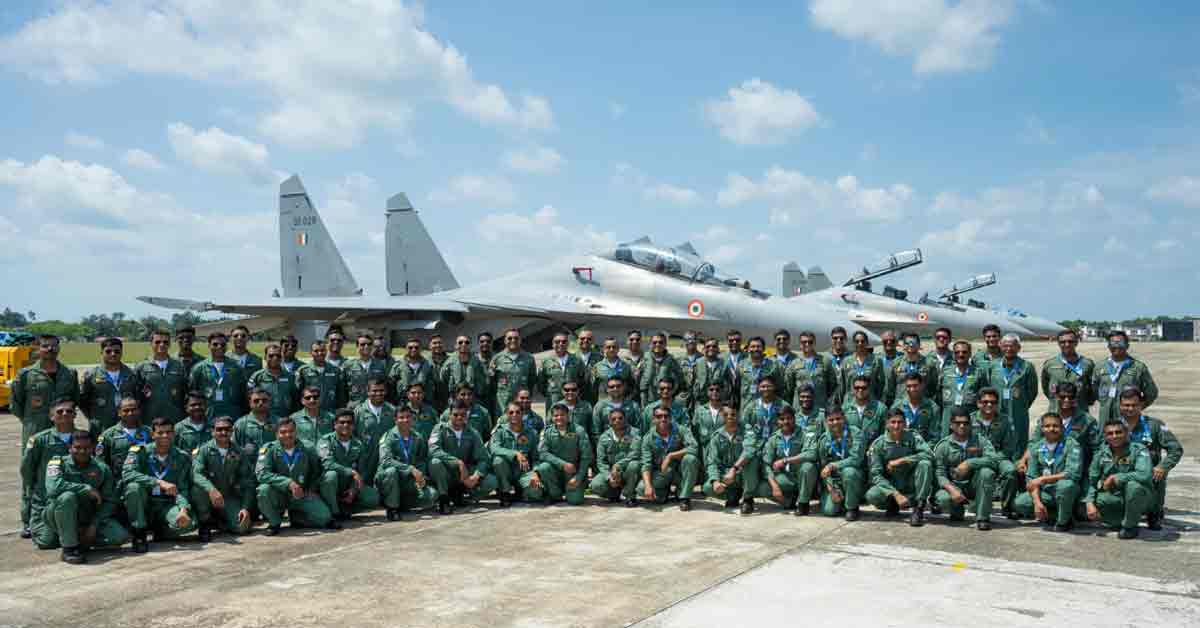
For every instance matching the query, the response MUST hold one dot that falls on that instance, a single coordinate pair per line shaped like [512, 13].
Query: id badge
[1006, 394]
[156, 490]
[1112, 392]
[219, 395]
[958, 399]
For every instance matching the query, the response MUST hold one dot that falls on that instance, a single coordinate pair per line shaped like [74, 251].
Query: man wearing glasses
[669, 458]
[1069, 366]
[512, 370]
[559, 369]
[249, 362]
[941, 347]
[463, 368]
[865, 412]
[161, 381]
[815, 369]
[324, 375]
[862, 362]
[616, 400]
[336, 339]
[666, 399]
[998, 430]
[363, 369]
[310, 422]
[285, 393]
[222, 482]
[1117, 372]
[960, 385]
[965, 466]
[252, 432]
[104, 386]
[413, 368]
[345, 487]
[221, 381]
[661, 366]
[37, 452]
[710, 369]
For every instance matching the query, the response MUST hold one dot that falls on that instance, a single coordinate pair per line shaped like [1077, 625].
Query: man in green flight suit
[1016, 380]
[864, 412]
[1053, 479]
[610, 366]
[425, 417]
[862, 362]
[840, 454]
[289, 476]
[1117, 372]
[413, 368]
[731, 473]
[991, 351]
[1165, 450]
[438, 358]
[692, 358]
[220, 380]
[35, 390]
[901, 473]
[479, 417]
[669, 458]
[39, 450]
[364, 368]
[157, 481]
[512, 370]
[965, 466]
[80, 504]
[285, 391]
[661, 366]
[458, 462]
[372, 419]
[558, 369]
[1069, 367]
[162, 381]
[617, 464]
[782, 468]
[665, 389]
[708, 419]
[922, 414]
[514, 450]
[589, 356]
[464, 368]
[113, 446]
[617, 390]
[913, 361]
[344, 458]
[709, 370]
[222, 481]
[564, 457]
[195, 430]
[813, 369]
[311, 422]
[960, 385]
[755, 368]
[810, 420]
[250, 434]
[246, 360]
[988, 423]
[1120, 481]
[104, 386]
[325, 376]
[185, 337]
[403, 474]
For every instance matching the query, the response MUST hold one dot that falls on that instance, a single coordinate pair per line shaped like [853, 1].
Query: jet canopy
[888, 265]
[680, 261]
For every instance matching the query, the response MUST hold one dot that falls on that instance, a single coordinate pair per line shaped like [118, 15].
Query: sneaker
[917, 518]
[1154, 521]
[801, 510]
[393, 514]
[26, 533]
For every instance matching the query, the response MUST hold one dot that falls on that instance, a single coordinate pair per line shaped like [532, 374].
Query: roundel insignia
[695, 308]
[922, 317]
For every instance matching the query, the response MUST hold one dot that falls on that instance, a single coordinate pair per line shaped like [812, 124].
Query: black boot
[732, 498]
[613, 495]
[72, 556]
[893, 509]
[445, 506]
[205, 533]
[801, 509]
[853, 514]
[685, 504]
[140, 545]
[984, 525]
[272, 531]
[1154, 521]
[333, 524]
[505, 499]
[1064, 527]
[917, 518]
[393, 514]
[748, 506]
[631, 502]
[460, 497]
[1127, 533]
[25, 532]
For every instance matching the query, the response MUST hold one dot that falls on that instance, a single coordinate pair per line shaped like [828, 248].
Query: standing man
[459, 461]
[865, 412]
[478, 417]
[637, 363]
[1053, 479]
[760, 417]
[344, 485]
[326, 377]
[580, 411]
[364, 368]
[104, 386]
[612, 365]
[161, 381]
[250, 434]
[709, 370]
[616, 399]
[813, 369]
[1069, 366]
[1117, 372]
[219, 380]
[80, 504]
[891, 351]
[912, 362]
[669, 459]
[564, 457]
[194, 430]
[185, 337]
[661, 366]
[784, 357]
[1016, 380]
[222, 480]
[921, 414]
[1165, 450]
[708, 419]
[282, 384]
[731, 471]
[840, 454]
[372, 419]
[589, 356]
[810, 420]
[617, 463]
[1119, 481]
[755, 368]
[512, 369]
[39, 450]
[157, 481]
[310, 423]
[960, 385]
[403, 474]
[941, 348]
[901, 473]
[558, 369]
[692, 358]
[485, 355]
[837, 354]
[988, 423]
[514, 449]
[965, 466]
[463, 368]
[290, 345]
[991, 348]
[862, 362]
[438, 358]
[336, 339]
[413, 368]
[1074, 424]
[289, 476]
[247, 361]
[36, 389]
[113, 446]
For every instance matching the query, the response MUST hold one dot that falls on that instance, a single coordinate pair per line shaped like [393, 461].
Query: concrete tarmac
[605, 565]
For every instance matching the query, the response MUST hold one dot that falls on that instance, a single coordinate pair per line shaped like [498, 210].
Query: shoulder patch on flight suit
[135, 448]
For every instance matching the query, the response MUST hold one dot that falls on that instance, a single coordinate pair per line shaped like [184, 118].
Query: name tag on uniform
[219, 395]
[156, 490]
[1006, 394]
[1112, 392]
[958, 399]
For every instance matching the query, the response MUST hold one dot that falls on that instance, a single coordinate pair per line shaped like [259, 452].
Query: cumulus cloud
[966, 239]
[780, 185]
[757, 112]
[216, 151]
[1181, 190]
[671, 194]
[512, 232]
[534, 160]
[475, 188]
[780, 217]
[138, 158]
[329, 70]
[82, 140]
[940, 36]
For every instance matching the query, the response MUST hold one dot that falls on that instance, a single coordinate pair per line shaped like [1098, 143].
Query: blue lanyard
[1068, 427]
[1142, 433]
[115, 380]
[290, 460]
[1048, 459]
[1114, 369]
[765, 425]
[218, 374]
[910, 415]
[911, 367]
[137, 437]
[837, 360]
[1008, 371]
[839, 451]
[615, 368]
[785, 444]
[961, 379]
[405, 443]
[810, 365]
[154, 466]
[860, 369]
[1076, 368]
[668, 443]
[783, 359]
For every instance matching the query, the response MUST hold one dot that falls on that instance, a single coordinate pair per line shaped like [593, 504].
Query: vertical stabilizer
[414, 264]
[309, 262]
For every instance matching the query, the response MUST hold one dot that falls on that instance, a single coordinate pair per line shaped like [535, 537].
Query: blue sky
[1054, 143]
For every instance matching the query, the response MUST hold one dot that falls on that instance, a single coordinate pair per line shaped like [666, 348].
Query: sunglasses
[309, 397]
[986, 403]
[64, 412]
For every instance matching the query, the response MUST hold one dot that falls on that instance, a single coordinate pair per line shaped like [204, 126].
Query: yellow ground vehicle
[16, 352]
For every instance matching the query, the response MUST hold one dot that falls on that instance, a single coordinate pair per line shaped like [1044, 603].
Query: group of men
[187, 443]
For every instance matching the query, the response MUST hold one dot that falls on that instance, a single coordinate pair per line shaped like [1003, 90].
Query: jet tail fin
[414, 264]
[309, 262]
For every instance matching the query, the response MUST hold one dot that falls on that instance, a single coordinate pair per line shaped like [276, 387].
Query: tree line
[95, 326]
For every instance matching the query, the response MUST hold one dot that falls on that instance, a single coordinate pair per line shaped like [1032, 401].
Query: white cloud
[329, 70]
[138, 158]
[1182, 190]
[881, 204]
[967, 239]
[616, 110]
[1165, 245]
[757, 112]
[780, 185]
[475, 188]
[511, 231]
[780, 217]
[216, 151]
[674, 195]
[534, 160]
[715, 233]
[80, 140]
[940, 36]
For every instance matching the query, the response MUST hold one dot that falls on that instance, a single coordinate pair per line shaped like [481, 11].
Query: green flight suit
[488, 399]
[440, 397]
[982, 360]
[370, 427]
[588, 391]
[425, 419]
[684, 392]
[926, 418]
[275, 471]
[446, 449]
[473, 373]
[511, 372]
[632, 411]
[339, 461]
[848, 455]
[959, 389]
[146, 505]
[70, 505]
[797, 479]
[581, 417]
[1133, 496]
[656, 370]
[681, 473]
[748, 376]
[836, 362]
[34, 393]
[637, 369]
[284, 389]
[926, 366]
[783, 361]
[478, 417]
[679, 415]
[1059, 497]
[331, 381]
[558, 448]
[232, 475]
[820, 373]
[113, 447]
[310, 430]
[100, 397]
[249, 362]
[1082, 373]
[706, 421]
[1110, 378]
[1000, 433]
[704, 373]
[557, 371]
[161, 389]
[404, 374]
[398, 457]
[250, 435]
[604, 370]
[758, 422]
[914, 480]
[1018, 388]
[724, 450]
[811, 423]
[871, 419]
[358, 373]
[852, 367]
[504, 446]
[1084, 429]
[189, 436]
[1154, 435]
[39, 450]
[225, 389]
[189, 362]
[980, 483]
[618, 456]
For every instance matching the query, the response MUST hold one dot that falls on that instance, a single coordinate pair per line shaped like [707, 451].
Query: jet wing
[316, 308]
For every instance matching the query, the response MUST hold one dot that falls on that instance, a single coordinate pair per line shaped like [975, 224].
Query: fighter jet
[635, 285]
